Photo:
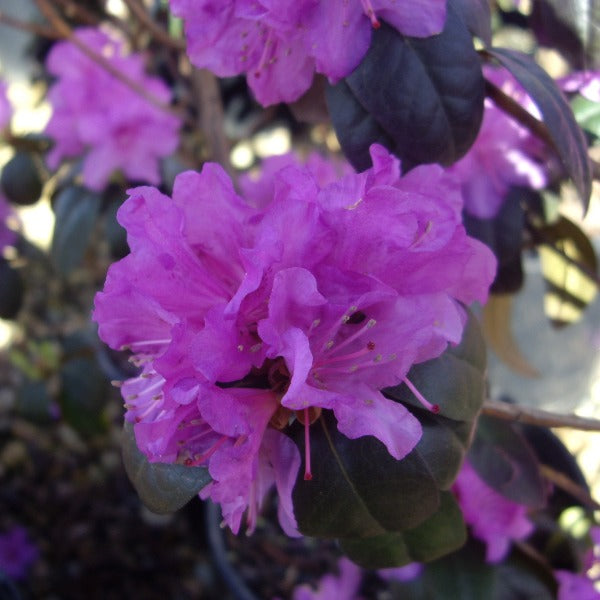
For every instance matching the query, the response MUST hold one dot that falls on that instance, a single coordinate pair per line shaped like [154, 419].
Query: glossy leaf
[83, 396]
[358, 490]
[163, 488]
[504, 236]
[11, 290]
[476, 15]
[76, 209]
[565, 27]
[376, 102]
[439, 535]
[569, 266]
[504, 460]
[567, 137]
[521, 577]
[497, 327]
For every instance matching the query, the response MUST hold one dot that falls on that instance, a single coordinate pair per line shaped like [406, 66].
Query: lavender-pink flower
[243, 319]
[493, 519]
[280, 44]
[96, 115]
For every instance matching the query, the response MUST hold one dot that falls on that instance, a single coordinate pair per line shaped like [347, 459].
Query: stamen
[370, 12]
[359, 353]
[370, 323]
[307, 470]
[131, 345]
[200, 458]
[434, 408]
[264, 59]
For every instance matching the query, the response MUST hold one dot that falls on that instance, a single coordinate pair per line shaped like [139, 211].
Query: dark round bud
[21, 179]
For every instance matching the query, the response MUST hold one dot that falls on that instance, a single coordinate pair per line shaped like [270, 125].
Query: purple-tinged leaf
[567, 137]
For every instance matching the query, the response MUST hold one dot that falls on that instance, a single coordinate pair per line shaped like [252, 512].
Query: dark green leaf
[504, 236]
[439, 535]
[76, 209]
[564, 26]
[358, 490]
[34, 401]
[377, 101]
[521, 578]
[163, 488]
[504, 460]
[462, 575]
[83, 395]
[569, 141]
[454, 381]
[11, 290]
[476, 15]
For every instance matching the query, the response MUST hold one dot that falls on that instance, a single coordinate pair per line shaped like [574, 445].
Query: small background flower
[95, 114]
[17, 552]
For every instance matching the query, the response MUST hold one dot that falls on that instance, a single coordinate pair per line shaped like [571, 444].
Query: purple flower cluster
[94, 112]
[279, 44]
[494, 519]
[17, 553]
[505, 154]
[243, 318]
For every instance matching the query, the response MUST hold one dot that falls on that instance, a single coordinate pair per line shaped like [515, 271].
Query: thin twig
[536, 416]
[568, 485]
[65, 31]
[34, 28]
[211, 117]
[148, 22]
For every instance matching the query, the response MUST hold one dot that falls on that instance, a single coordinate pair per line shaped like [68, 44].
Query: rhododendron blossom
[244, 318]
[281, 43]
[95, 113]
[493, 518]
[505, 154]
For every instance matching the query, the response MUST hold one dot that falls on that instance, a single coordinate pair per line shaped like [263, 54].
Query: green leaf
[377, 102]
[163, 488]
[76, 209]
[462, 575]
[358, 489]
[83, 396]
[503, 459]
[440, 534]
[521, 577]
[11, 290]
[567, 137]
[454, 381]
[569, 267]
